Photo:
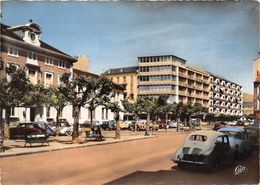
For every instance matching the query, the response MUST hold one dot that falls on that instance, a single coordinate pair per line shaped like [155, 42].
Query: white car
[65, 129]
[205, 148]
[239, 140]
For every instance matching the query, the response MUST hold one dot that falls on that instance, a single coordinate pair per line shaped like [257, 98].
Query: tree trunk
[75, 133]
[166, 118]
[190, 123]
[58, 121]
[147, 125]
[136, 119]
[91, 117]
[178, 124]
[1, 131]
[7, 122]
[118, 135]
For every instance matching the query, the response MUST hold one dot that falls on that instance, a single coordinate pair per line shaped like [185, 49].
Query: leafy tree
[101, 94]
[13, 92]
[82, 90]
[148, 105]
[37, 96]
[115, 108]
[179, 110]
[58, 101]
[162, 107]
[133, 107]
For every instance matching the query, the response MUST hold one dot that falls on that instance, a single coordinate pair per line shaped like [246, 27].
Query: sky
[221, 37]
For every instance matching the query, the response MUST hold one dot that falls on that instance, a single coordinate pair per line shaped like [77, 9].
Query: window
[198, 138]
[124, 79]
[103, 109]
[48, 78]
[13, 51]
[117, 80]
[62, 64]
[32, 56]
[12, 111]
[48, 61]
[48, 112]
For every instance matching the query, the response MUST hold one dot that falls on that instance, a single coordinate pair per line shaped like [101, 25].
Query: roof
[208, 133]
[5, 31]
[130, 69]
[222, 78]
[162, 56]
[231, 129]
[93, 75]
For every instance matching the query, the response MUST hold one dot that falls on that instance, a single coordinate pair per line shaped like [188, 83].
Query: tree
[133, 107]
[80, 91]
[148, 105]
[58, 101]
[179, 110]
[162, 107]
[13, 92]
[115, 108]
[101, 89]
[37, 96]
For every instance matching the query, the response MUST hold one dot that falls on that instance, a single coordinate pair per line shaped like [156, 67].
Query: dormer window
[13, 52]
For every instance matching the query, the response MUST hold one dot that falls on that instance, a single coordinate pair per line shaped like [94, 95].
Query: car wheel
[68, 133]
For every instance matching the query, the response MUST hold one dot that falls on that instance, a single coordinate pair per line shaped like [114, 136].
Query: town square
[129, 93]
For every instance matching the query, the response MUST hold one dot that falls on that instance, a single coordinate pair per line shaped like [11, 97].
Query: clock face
[32, 36]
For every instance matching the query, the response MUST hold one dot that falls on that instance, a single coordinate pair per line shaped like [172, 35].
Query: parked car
[47, 127]
[219, 125]
[24, 129]
[108, 125]
[204, 148]
[238, 139]
[172, 124]
[65, 128]
[123, 124]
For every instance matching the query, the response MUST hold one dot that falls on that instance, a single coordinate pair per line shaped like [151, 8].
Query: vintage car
[238, 139]
[205, 148]
[24, 129]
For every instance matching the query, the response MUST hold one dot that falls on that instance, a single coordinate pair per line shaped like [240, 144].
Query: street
[144, 161]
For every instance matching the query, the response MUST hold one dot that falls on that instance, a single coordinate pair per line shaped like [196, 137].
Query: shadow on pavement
[195, 175]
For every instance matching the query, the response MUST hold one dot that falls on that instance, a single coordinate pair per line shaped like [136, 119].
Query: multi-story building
[169, 75]
[81, 64]
[127, 78]
[21, 45]
[225, 96]
[257, 88]
[248, 104]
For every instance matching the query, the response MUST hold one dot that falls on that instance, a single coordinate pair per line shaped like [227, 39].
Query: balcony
[144, 92]
[32, 62]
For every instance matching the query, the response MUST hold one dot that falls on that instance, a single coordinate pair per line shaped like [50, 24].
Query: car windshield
[198, 138]
[237, 135]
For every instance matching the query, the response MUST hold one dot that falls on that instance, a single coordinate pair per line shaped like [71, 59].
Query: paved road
[136, 162]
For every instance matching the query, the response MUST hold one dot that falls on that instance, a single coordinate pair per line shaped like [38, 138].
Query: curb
[73, 147]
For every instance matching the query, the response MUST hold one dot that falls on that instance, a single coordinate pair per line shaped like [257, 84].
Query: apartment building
[257, 88]
[21, 45]
[169, 75]
[226, 97]
[125, 77]
[248, 104]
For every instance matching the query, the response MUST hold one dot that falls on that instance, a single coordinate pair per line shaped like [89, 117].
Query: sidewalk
[16, 147]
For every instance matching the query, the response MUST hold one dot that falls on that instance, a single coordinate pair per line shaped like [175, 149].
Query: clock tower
[29, 32]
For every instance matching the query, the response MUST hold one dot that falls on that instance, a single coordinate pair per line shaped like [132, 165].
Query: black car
[108, 125]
